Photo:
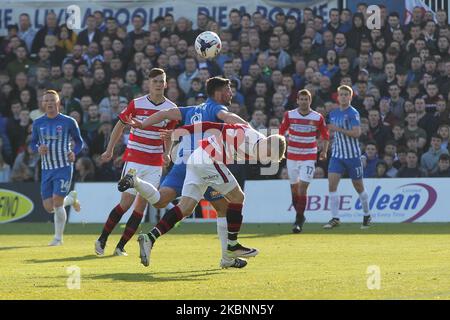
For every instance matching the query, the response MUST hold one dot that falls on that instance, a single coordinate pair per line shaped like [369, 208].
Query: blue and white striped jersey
[345, 147]
[57, 134]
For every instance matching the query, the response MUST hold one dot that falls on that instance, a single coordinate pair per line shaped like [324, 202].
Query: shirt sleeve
[204, 126]
[76, 136]
[184, 111]
[130, 110]
[285, 124]
[354, 120]
[34, 144]
[324, 133]
[218, 108]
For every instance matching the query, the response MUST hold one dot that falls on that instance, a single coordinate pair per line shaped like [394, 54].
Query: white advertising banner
[124, 10]
[97, 200]
[390, 200]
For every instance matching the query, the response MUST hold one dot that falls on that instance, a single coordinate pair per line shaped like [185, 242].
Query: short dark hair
[436, 136]
[215, 83]
[444, 157]
[234, 10]
[394, 14]
[154, 72]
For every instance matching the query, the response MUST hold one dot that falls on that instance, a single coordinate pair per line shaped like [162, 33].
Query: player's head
[157, 82]
[51, 102]
[304, 99]
[219, 89]
[271, 148]
[345, 94]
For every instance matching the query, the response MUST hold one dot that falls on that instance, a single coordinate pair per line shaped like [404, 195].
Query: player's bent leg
[333, 182]
[60, 219]
[358, 184]
[167, 195]
[144, 188]
[72, 200]
[114, 217]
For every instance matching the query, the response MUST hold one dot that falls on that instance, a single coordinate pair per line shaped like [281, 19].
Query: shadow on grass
[20, 247]
[70, 259]
[196, 275]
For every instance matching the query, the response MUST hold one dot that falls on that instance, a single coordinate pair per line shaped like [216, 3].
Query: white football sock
[147, 190]
[170, 205]
[364, 198]
[60, 222]
[222, 232]
[334, 204]
[68, 201]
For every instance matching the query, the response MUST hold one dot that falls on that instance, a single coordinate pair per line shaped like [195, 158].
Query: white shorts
[150, 174]
[299, 170]
[202, 172]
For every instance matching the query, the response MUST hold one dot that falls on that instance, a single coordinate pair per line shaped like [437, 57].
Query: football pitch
[413, 261]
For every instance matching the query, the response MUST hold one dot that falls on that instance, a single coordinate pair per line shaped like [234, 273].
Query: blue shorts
[352, 166]
[175, 179]
[56, 182]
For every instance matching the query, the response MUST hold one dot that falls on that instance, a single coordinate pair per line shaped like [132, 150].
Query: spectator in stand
[51, 28]
[429, 160]
[412, 129]
[411, 170]
[91, 34]
[25, 165]
[369, 160]
[84, 170]
[377, 130]
[26, 32]
[269, 62]
[5, 169]
[381, 170]
[391, 171]
[443, 170]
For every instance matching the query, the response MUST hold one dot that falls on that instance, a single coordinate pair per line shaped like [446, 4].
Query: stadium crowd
[400, 76]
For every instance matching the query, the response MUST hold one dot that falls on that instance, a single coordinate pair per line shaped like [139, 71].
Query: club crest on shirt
[196, 118]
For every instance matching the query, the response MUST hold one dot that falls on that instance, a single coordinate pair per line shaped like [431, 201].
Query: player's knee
[161, 204]
[238, 197]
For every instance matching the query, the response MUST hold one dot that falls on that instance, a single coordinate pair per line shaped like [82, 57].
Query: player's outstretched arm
[169, 114]
[230, 117]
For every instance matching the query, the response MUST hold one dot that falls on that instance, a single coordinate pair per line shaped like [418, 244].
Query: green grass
[414, 260]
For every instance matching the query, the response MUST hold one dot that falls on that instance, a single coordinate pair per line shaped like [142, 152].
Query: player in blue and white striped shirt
[52, 137]
[345, 155]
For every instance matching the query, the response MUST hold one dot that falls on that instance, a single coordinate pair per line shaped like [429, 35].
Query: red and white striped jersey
[145, 145]
[228, 142]
[303, 133]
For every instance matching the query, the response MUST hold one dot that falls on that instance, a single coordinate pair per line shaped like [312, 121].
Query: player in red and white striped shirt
[145, 153]
[206, 167]
[303, 126]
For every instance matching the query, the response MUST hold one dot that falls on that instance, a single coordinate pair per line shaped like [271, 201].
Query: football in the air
[208, 44]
